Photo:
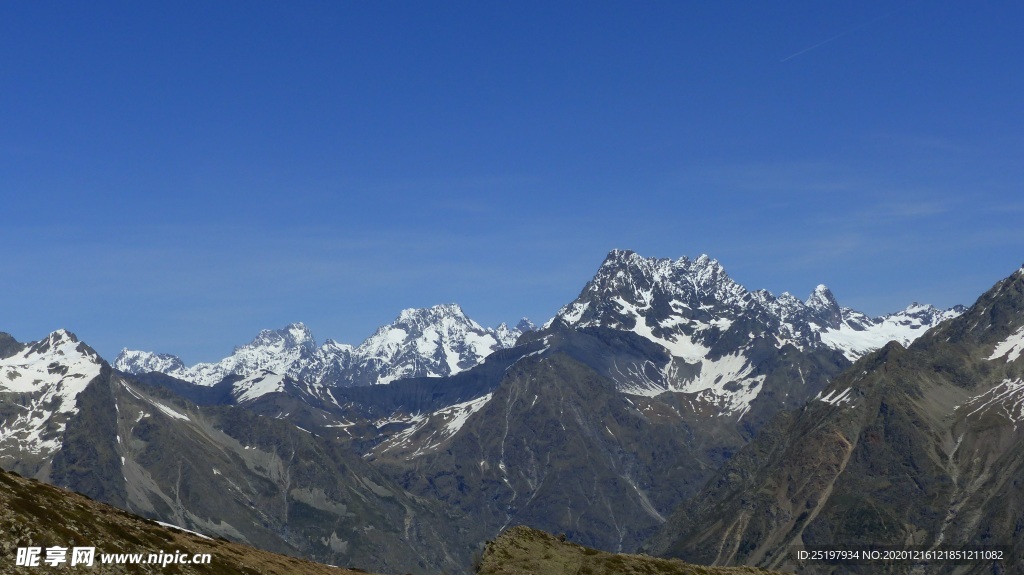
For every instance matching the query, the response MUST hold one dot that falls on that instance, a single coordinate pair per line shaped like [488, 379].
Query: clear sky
[177, 176]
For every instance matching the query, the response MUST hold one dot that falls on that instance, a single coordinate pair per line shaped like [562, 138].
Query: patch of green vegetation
[525, 550]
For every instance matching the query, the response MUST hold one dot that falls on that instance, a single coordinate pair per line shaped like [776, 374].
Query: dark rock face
[558, 446]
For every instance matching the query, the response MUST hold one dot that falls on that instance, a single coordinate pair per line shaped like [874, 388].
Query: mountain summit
[48, 376]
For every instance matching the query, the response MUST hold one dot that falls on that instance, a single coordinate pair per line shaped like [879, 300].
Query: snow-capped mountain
[40, 383]
[432, 342]
[857, 334]
[286, 351]
[712, 327]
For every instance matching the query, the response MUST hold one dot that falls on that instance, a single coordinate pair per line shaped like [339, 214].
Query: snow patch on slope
[1006, 399]
[257, 385]
[1010, 348]
[836, 397]
[163, 408]
[679, 345]
[447, 422]
[726, 382]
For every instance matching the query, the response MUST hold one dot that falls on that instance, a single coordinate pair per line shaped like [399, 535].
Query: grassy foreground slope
[39, 515]
[522, 550]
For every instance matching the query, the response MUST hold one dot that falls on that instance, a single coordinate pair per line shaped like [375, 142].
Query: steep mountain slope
[28, 509]
[433, 342]
[919, 446]
[223, 471]
[556, 444]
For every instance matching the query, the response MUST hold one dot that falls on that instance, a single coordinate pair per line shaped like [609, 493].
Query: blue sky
[178, 176]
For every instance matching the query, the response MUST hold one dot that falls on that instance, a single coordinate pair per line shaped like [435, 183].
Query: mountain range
[607, 424]
[432, 342]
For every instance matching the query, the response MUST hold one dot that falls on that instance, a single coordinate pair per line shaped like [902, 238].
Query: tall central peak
[640, 281]
[421, 315]
[292, 336]
[824, 307]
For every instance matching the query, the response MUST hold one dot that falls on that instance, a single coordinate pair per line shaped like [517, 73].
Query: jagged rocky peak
[62, 335]
[525, 325]
[281, 351]
[927, 313]
[442, 341]
[658, 286]
[824, 307]
[414, 323]
[54, 339]
[507, 337]
[8, 345]
[334, 345]
[295, 335]
[1001, 307]
[447, 319]
[821, 298]
[966, 371]
[60, 346]
[139, 362]
[436, 341]
[63, 344]
[422, 317]
[627, 268]
[687, 305]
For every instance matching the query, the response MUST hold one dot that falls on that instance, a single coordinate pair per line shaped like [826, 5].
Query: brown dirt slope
[39, 515]
[522, 550]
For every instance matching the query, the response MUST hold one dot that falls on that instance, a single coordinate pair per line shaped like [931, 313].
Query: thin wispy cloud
[842, 34]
